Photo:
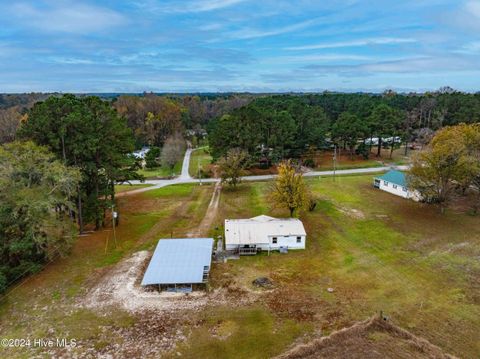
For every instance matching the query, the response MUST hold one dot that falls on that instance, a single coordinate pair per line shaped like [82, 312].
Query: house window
[394, 186]
[299, 239]
[385, 183]
[404, 189]
[274, 240]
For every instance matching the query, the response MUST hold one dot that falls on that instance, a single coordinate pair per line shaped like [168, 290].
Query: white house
[264, 233]
[395, 182]
[141, 153]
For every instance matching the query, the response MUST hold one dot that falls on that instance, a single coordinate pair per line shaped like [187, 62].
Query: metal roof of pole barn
[256, 230]
[179, 261]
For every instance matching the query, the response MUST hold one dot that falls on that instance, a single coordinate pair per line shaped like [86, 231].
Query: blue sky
[239, 45]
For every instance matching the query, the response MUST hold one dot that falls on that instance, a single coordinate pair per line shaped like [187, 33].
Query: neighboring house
[178, 264]
[395, 182]
[247, 236]
[385, 140]
[141, 153]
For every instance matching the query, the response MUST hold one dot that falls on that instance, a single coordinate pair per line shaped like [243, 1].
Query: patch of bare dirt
[121, 287]
[352, 212]
[373, 338]
[292, 304]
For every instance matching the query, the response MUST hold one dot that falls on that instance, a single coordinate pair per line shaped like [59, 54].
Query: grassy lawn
[378, 252]
[242, 333]
[200, 158]
[162, 172]
[45, 305]
[119, 188]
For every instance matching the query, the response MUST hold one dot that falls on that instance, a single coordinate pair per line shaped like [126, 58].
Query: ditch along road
[186, 178]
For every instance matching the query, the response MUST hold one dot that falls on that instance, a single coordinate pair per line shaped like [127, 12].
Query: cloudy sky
[238, 45]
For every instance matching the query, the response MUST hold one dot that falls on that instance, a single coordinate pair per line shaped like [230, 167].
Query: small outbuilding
[179, 264]
[247, 236]
[395, 182]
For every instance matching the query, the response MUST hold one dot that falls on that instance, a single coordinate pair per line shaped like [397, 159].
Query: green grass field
[199, 158]
[377, 251]
[119, 188]
[162, 172]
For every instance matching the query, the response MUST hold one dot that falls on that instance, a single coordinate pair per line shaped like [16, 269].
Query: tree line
[59, 177]
[284, 126]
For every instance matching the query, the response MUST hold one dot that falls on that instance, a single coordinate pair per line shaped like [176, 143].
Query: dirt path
[206, 223]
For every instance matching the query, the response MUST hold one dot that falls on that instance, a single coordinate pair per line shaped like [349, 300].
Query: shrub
[152, 156]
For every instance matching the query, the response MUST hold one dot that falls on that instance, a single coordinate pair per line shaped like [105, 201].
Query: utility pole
[199, 172]
[334, 161]
[114, 217]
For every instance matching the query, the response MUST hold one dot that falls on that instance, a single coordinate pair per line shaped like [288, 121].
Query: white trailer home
[247, 236]
[394, 182]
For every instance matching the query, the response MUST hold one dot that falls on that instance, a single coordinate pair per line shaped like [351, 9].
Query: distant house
[178, 264]
[247, 236]
[385, 140]
[395, 182]
[140, 154]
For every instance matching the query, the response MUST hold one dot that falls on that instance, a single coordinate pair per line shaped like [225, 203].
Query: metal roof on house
[179, 261]
[256, 230]
[395, 177]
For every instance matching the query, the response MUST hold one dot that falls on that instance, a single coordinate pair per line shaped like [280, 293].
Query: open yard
[377, 252]
[162, 172]
[200, 158]
[119, 188]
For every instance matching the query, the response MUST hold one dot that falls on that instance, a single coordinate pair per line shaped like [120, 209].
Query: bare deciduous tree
[9, 122]
[172, 151]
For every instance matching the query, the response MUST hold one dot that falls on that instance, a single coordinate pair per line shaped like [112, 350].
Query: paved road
[185, 177]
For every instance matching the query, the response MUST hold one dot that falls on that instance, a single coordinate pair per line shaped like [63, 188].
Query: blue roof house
[395, 182]
[178, 264]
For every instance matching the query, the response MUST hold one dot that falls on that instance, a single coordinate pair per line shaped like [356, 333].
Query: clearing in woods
[376, 251]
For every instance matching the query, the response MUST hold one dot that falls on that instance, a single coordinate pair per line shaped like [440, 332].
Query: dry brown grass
[373, 338]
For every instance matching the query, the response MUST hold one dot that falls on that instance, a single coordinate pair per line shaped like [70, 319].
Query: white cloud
[70, 61]
[473, 46]
[355, 43]
[210, 5]
[473, 7]
[187, 6]
[316, 58]
[67, 17]
[210, 27]
[256, 33]
[419, 64]
[466, 17]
